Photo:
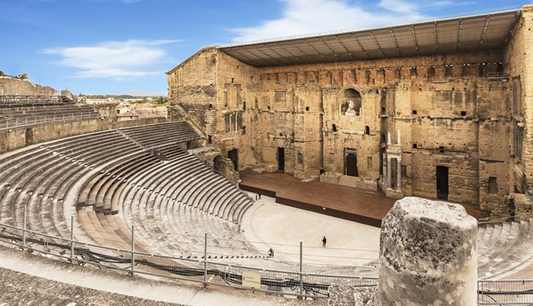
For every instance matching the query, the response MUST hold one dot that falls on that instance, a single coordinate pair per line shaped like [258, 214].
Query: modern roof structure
[470, 33]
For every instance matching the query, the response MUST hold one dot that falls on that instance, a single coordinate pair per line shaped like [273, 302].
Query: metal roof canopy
[470, 33]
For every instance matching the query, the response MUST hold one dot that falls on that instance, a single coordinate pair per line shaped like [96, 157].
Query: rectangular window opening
[493, 185]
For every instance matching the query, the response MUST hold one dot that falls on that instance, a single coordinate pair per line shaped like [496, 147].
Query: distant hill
[144, 93]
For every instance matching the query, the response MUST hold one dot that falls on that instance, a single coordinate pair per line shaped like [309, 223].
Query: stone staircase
[504, 248]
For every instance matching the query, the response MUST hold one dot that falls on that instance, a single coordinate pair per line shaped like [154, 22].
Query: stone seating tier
[503, 247]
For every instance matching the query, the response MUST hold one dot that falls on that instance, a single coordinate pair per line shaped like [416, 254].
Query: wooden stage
[367, 207]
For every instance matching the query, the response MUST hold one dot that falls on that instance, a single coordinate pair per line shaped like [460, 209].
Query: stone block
[428, 255]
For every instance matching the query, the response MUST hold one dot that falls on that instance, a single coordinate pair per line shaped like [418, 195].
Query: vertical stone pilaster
[399, 173]
[389, 172]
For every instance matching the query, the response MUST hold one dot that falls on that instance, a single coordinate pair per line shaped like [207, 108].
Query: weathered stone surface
[350, 296]
[341, 295]
[364, 296]
[22, 289]
[428, 255]
[13, 86]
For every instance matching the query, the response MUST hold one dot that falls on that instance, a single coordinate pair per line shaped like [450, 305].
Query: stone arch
[218, 163]
[351, 102]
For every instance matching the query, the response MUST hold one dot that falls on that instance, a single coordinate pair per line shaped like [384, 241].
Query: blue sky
[124, 46]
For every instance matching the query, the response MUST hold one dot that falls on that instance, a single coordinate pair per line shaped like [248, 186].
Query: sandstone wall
[450, 110]
[12, 86]
[518, 62]
[234, 129]
[518, 57]
[192, 88]
[20, 137]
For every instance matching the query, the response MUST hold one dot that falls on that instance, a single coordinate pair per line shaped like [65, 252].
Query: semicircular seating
[18, 111]
[39, 177]
[504, 247]
[173, 198]
[168, 201]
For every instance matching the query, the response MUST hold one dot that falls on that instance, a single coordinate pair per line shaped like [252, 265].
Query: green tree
[23, 76]
[2, 73]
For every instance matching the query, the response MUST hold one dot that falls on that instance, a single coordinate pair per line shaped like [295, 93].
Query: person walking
[324, 241]
[259, 195]
[270, 253]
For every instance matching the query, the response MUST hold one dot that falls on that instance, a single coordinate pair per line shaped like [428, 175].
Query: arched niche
[218, 163]
[351, 105]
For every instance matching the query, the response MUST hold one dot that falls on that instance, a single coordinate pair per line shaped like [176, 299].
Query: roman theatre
[268, 148]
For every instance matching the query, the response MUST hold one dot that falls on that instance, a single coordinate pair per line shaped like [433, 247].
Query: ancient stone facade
[452, 126]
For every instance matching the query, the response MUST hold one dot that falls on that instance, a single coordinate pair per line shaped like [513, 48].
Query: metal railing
[505, 292]
[201, 269]
[29, 121]
[29, 99]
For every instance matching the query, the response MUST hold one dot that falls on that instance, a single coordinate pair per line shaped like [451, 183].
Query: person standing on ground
[259, 194]
[324, 241]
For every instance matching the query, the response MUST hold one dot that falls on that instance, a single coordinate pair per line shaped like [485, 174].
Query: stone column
[399, 173]
[384, 175]
[428, 255]
[389, 172]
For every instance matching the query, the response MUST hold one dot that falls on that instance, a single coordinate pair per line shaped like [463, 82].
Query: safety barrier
[210, 273]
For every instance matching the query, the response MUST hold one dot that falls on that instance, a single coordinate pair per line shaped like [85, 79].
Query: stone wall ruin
[436, 126]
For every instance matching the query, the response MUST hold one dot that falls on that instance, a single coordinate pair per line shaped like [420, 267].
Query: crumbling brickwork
[404, 125]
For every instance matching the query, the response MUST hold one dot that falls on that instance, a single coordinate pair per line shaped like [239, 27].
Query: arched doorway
[218, 163]
[233, 155]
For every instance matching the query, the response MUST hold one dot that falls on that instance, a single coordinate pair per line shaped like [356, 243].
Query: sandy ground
[283, 227]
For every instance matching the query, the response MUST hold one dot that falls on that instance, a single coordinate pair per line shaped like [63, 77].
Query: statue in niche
[352, 103]
[350, 111]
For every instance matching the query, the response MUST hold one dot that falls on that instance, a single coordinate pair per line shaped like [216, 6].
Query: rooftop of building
[469, 33]
[458, 34]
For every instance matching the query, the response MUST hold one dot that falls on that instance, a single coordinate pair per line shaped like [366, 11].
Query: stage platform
[367, 207]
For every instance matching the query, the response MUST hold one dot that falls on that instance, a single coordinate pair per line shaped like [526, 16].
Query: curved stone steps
[157, 135]
[507, 246]
[38, 163]
[499, 236]
[59, 184]
[112, 185]
[88, 186]
[142, 196]
[507, 239]
[42, 175]
[164, 197]
[98, 193]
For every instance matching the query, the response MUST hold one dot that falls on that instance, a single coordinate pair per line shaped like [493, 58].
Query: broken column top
[451, 214]
[428, 254]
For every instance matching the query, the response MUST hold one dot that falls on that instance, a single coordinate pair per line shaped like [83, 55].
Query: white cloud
[114, 59]
[398, 6]
[313, 16]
